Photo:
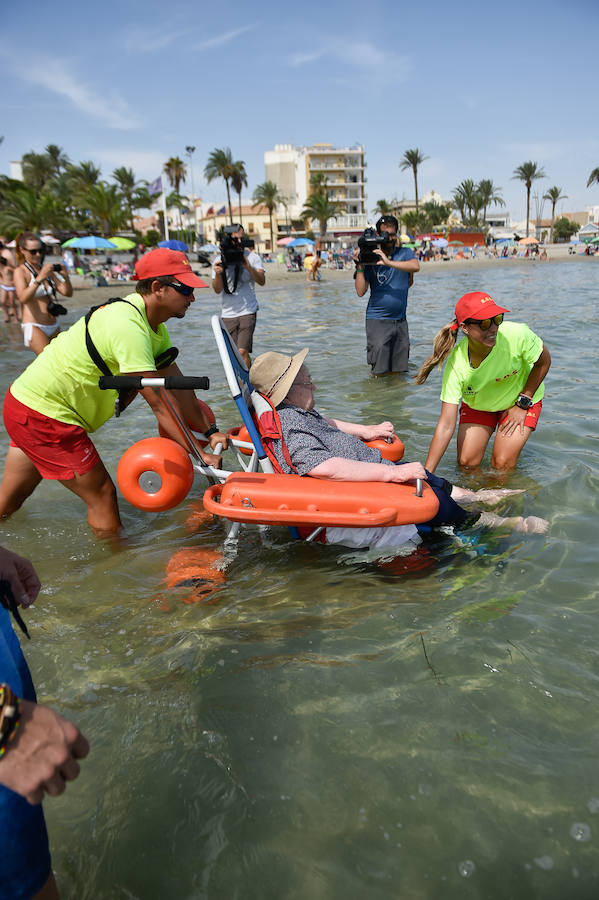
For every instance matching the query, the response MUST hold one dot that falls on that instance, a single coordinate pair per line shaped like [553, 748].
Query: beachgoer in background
[497, 374]
[314, 274]
[51, 408]
[8, 294]
[387, 337]
[333, 449]
[37, 284]
[39, 750]
[239, 303]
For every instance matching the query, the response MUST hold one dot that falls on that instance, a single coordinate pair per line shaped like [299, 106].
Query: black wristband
[211, 430]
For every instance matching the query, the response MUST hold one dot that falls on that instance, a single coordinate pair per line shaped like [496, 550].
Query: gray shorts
[387, 345]
[241, 330]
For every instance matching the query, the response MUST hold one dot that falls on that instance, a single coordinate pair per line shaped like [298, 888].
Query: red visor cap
[477, 305]
[167, 262]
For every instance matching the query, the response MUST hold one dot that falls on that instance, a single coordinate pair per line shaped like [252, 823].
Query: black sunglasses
[37, 250]
[485, 324]
[181, 288]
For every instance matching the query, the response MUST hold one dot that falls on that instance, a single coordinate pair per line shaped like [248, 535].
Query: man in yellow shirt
[52, 407]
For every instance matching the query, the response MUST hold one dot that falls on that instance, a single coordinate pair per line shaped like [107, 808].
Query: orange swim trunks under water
[469, 416]
[57, 450]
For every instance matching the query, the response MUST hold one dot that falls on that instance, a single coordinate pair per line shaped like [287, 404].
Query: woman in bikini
[10, 304]
[37, 285]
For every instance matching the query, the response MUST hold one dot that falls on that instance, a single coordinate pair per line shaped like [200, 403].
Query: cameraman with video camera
[388, 270]
[233, 277]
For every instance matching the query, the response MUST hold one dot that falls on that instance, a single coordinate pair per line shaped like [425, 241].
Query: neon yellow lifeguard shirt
[501, 376]
[62, 382]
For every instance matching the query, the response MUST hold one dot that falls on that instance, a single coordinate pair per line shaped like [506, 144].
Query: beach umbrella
[209, 248]
[174, 245]
[89, 242]
[284, 241]
[528, 240]
[49, 239]
[456, 243]
[594, 240]
[122, 243]
[575, 241]
[300, 242]
[440, 242]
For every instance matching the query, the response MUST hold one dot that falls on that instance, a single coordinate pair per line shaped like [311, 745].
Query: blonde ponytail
[443, 344]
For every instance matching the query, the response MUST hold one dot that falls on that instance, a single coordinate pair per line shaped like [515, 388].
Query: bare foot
[528, 525]
[490, 496]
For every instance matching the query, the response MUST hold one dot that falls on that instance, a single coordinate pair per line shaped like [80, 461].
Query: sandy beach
[86, 295]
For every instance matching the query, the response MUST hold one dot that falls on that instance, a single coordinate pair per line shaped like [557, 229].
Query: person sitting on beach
[50, 409]
[37, 284]
[498, 375]
[334, 449]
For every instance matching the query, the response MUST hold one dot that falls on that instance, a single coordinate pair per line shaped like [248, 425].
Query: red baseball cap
[166, 262]
[477, 305]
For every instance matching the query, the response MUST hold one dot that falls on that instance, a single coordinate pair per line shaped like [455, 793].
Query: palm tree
[382, 208]
[490, 195]
[555, 195]
[267, 194]
[239, 180]
[37, 170]
[134, 192]
[104, 203]
[411, 160]
[528, 172]
[22, 208]
[318, 183]
[467, 199]
[318, 206]
[412, 220]
[175, 171]
[58, 158]
[594, 176]
[220, 165]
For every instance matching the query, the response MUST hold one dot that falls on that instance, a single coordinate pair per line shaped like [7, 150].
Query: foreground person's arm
[442, 436]
[338, 469]
[43, 754]
[364, 432]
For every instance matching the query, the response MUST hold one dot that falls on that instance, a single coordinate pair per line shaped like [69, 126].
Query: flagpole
[166, 235]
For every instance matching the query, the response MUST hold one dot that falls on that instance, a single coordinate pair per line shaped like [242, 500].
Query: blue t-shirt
[25, 852]
[388, 288]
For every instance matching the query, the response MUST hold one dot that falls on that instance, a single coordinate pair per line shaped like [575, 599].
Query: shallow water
[321, 726]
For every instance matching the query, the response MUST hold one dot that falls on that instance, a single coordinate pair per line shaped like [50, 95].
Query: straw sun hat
[273, 373]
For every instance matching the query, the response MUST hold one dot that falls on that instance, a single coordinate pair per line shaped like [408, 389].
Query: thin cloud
[54, 76]
[145, 163]
[358, 55]
[221, 39]
[148, 40]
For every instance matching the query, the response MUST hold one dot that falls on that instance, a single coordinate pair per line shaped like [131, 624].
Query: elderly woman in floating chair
[331, 449]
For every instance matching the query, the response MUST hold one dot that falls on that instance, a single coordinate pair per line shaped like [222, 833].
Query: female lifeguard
[37, 285]
[497, 373]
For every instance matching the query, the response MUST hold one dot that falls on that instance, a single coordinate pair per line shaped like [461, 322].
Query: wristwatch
[523, 401]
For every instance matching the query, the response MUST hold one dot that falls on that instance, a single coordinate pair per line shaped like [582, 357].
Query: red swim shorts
[469, 416]
[58, 451]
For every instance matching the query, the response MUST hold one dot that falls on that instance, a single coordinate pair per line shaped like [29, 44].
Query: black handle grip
[171, 382]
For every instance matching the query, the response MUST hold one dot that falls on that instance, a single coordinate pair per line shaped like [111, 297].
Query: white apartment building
[343, 168]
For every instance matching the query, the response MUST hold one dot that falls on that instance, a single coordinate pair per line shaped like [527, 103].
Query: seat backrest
[238, 381]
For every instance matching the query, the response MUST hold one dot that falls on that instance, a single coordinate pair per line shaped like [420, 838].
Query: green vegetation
[267, 194]
[528, 172]
[220, 165]
[411, 160]
[563, 228]
[554, 194]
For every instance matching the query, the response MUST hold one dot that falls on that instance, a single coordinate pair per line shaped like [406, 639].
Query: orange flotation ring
[155, 474]
[392, 450]
[294, 500]
[207, 412]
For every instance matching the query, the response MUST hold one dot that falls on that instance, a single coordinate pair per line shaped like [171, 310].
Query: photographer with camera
[37, 284]
[233, 278]
[387, 269]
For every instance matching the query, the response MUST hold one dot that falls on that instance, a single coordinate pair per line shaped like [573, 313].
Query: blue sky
[479, 87]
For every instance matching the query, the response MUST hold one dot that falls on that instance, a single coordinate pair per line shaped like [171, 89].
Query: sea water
[320, 724]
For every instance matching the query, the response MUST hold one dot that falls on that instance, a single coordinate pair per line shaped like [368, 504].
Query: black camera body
[369, 241]
[232, 248]
[57, 267]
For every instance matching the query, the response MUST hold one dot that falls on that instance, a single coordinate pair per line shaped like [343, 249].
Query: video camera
[369, 241]
[232, 247]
